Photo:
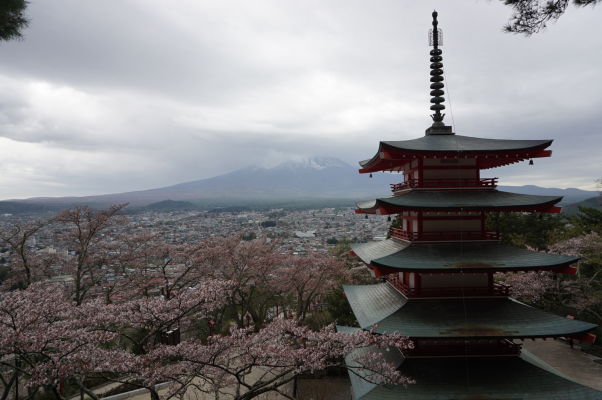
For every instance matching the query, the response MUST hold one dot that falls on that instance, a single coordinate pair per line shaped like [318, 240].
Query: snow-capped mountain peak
[316, 163]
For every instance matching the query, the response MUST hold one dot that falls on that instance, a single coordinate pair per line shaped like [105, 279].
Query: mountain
[21, 207]
[309, 178]
[593, 202]
[570, 195]
[319, 180]
[168, 205]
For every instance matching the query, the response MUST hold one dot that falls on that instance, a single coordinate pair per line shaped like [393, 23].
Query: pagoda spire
[437, 99]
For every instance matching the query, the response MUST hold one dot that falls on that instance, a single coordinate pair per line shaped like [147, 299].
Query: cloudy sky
[111, 96]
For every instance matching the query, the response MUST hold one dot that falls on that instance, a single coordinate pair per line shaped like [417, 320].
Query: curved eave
[370, 251]
[441, 200]
[392, 256]
[380, 308]
[490, 153]
[517, 377]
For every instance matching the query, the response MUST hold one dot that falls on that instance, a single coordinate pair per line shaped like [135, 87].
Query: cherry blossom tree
[157, 314]
[142, 264]
[43, 341]
[310, 277]
[583, 292]
[528, 286]
[82, 234]
[26, 267]
[246, 364]
[47, 339]
[580, 293]
[132, 294]
[167, 268]
[253, 267]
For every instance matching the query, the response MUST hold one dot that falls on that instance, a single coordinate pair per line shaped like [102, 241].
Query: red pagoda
[438, 265]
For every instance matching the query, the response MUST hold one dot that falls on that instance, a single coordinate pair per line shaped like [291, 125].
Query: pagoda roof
[457, 200]
[393, 153]
[467, 378]
[457, 256]
[459, 143]
[383, 308]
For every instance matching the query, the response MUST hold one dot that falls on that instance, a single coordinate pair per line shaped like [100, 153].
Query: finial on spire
[435, 40]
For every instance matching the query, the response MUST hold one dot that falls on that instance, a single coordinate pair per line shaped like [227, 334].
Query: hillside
[311, 179]
[593, 202]
[316, 181]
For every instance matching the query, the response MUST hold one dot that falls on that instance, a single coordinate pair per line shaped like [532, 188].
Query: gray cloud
[115, 96]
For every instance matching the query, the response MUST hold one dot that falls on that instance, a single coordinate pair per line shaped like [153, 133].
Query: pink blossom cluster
[115, 329]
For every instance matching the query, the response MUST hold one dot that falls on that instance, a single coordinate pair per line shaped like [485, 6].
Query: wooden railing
[398, 233]
[445, 183]
[497, 289]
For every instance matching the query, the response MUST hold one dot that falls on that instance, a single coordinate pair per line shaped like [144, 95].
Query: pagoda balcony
[487, 183]
[442, 236]
[495, 290]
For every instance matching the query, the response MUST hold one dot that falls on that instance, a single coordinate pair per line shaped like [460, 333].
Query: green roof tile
[373, 303]
[458, 144]
[373, 250]
[460, 199]
[385, 307]
[479, 378]
[459, 256]
[458, 378]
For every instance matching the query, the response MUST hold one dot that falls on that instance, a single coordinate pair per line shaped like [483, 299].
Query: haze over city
[111, 97]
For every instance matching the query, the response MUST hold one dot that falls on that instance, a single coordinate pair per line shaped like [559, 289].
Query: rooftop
[456, 200]
[489, 153]
[390, 311]
[456, 257]
[516, 377]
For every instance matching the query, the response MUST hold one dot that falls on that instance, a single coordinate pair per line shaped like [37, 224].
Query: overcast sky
[111, 96]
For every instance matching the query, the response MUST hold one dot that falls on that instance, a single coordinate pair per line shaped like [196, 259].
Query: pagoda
[437, 270]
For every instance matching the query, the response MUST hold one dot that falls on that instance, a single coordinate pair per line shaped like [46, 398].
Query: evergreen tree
[12, 19]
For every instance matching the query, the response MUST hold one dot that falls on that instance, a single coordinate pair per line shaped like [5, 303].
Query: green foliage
[341, 248]
[588, 220]
[338, 306]
[332, 240]
[531, 16]
[12, 19]
[268, 224]
[248, 236]
[536, 230]
[397, 224]
[4, 271]
[319, 319]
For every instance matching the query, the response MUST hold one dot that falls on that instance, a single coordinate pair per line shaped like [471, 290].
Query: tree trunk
[8, 387]
[153, 393]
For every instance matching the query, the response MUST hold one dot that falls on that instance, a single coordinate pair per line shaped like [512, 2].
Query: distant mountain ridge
[318, 178]
[170, 205]
[593, 202]
[570, 195]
